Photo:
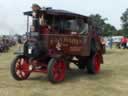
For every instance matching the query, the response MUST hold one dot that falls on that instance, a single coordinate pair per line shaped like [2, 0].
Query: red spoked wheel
[20, 68]
[93, 65]
[56, 70]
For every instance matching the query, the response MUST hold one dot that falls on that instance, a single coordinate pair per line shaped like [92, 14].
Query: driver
[36, 15]
[39, 22]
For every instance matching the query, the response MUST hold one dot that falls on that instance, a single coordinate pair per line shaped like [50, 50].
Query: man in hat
[36, 14]
[38, 20]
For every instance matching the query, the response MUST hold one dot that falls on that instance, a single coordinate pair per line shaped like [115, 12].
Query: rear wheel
[93, 61]
[56, 70]
[93, 65]
[20, 68]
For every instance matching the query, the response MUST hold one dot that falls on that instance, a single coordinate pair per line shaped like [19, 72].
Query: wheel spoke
[17, 67]
[22, 61]
[23, 74]
[18, 72]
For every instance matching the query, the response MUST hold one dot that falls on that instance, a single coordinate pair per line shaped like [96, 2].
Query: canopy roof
[56, 12]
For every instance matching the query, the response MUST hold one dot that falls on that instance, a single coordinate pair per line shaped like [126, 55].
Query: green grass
[111, 81]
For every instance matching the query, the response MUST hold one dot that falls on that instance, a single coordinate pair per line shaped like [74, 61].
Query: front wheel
[56, 70]
[20, 68]
[93, 64]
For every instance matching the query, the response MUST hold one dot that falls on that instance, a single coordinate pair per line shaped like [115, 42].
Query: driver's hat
[36, 5]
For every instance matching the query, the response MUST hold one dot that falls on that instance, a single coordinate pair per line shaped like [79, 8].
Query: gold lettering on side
[66, 40]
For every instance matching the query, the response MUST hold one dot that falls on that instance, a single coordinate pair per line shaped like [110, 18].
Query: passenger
[45, 28]
[84, 29]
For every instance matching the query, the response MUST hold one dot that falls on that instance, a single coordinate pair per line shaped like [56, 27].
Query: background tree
[124, 19]
[109, 30]
[98, 20]
[105, 28]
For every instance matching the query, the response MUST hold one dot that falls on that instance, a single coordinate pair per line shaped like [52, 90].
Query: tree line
[107, 29]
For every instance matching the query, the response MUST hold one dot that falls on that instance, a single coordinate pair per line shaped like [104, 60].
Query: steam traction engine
[54, 39]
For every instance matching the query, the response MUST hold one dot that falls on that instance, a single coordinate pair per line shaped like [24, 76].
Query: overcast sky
[12, 19]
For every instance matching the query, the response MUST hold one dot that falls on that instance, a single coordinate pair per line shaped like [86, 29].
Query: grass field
[111, 81]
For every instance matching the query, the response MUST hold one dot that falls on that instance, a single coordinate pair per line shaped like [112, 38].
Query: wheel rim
[58, 70]
[96, 62]
[22, 68]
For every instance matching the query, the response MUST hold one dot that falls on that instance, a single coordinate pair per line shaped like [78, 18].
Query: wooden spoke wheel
[56, 70]
[20, 68]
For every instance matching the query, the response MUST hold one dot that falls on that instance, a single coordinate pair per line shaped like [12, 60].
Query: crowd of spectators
[6, 42]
